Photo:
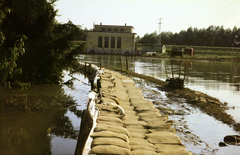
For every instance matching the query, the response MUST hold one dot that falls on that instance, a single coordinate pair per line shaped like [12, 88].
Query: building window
[119, 42]
[106, 41]
[115, 30]
[121, 30]
[99, 41]
[112, 42]
[109, 29]
[103, 29]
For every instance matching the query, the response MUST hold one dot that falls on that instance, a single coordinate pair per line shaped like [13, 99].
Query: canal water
[44, 131]
[199, 132]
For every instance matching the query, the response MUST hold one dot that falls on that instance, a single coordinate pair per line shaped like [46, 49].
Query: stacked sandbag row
[138, 129]
[109, 137]
[154, 133]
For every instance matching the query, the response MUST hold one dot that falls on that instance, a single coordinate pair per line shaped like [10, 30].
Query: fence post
[121, 63]
[126, 64]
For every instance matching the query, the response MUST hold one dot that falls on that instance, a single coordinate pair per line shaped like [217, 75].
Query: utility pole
[159, 41]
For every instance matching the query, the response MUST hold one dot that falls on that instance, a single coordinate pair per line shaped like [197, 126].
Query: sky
[144, 15]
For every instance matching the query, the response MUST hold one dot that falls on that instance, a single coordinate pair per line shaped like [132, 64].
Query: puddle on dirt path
[199, 132]
[50, 131]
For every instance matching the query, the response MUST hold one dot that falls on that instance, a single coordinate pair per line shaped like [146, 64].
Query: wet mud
[178, 109]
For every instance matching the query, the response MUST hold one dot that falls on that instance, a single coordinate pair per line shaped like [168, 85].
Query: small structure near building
[188, 51]
[153, 48]
[152, 53]
[176, 52]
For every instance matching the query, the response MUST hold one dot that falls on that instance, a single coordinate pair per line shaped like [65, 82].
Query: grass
[207, 53]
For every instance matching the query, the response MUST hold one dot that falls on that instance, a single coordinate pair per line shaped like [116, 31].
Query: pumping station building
[111, 39]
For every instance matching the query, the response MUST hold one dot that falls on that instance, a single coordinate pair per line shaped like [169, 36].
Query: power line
[160, 22]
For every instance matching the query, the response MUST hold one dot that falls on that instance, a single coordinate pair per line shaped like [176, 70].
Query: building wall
[113, 28]
[127, 42]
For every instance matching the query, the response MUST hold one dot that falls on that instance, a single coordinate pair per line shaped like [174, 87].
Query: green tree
[149, 38]
[10, 54]
[48, 48]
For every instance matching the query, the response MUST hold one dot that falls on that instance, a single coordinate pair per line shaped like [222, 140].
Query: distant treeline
[211, 36]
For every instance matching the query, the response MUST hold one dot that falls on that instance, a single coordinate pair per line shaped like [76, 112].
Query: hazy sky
[144, 15]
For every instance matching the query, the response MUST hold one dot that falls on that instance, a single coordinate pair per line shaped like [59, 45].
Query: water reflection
[50, 127]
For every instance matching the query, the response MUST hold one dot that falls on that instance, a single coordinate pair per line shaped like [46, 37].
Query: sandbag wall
[129, 124]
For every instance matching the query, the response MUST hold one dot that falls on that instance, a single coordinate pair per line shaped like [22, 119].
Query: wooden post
[98, 85]
[180, 71]
[185, 69]
[126, 64]
[89, 69]
[85, 128]
[100, 66]
[172, 71]
[121, 63]
[85, 69]
[166, 71]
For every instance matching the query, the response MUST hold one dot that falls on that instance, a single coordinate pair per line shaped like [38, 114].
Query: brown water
[50, 131]
[215, 78]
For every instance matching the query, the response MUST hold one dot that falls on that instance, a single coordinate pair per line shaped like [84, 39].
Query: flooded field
[43, 131]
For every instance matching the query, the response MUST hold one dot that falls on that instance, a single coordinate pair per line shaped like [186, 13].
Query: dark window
[115, 30]
[112, 42]
[121, 30]
[99, 41]
[119, 42]
[106, 42]
[103, 29]
[109, 29]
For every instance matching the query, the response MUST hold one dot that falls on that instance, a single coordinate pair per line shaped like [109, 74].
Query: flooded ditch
[44, 119]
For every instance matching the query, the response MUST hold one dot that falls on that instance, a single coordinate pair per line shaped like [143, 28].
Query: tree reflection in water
[26, 132]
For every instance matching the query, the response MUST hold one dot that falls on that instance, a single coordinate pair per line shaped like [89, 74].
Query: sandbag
[140, 147]
[168, 149]
[110, 149]
[117, 129]
[163, 137]
[109, 119]
[158, 125]
[110, 141]
[141, 142]
[110, 134]
[148, 152]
